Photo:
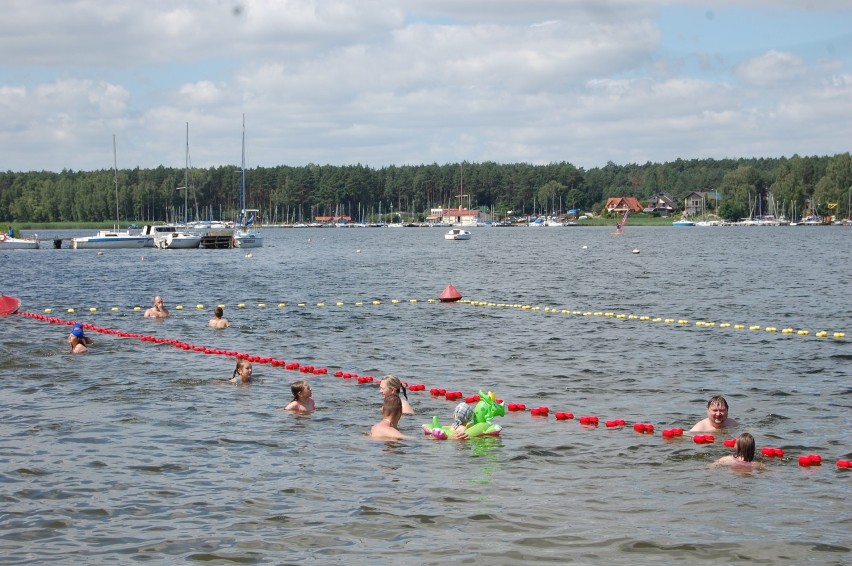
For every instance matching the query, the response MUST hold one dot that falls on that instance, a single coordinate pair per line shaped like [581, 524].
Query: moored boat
[115, 238]
[12, 243]
[457, 234]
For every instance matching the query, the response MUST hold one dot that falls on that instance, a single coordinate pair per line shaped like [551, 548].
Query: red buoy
[450, 294]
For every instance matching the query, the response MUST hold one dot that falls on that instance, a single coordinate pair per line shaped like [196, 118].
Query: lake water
[132, 453]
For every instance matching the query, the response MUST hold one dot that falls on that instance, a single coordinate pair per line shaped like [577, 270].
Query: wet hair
[393, 381]
[218, 312]
[392, 406]
[297, 387]
[745, 447]
[241, 363]
[717, 399]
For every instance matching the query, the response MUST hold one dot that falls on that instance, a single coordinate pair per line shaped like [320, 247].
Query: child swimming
[744, 456]
[242, 373]
[386, 429]
[302, 401]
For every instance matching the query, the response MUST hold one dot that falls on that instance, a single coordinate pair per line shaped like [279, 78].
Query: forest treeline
[285, 193]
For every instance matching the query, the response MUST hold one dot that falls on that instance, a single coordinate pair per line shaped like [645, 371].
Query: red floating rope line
[809, 460]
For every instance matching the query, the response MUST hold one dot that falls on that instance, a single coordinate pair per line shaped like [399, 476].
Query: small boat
[457, 234]
[110, 239]
[683, 222]
[10, 243]
[246, 235]
[171, 238]
[115, 238]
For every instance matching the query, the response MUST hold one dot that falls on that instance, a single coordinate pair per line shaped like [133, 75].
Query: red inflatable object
[449, 295]
[10, 305]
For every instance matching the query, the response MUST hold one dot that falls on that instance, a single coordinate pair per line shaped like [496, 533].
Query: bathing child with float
[470, 420]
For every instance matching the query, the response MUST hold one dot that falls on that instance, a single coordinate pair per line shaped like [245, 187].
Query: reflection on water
[134, 452]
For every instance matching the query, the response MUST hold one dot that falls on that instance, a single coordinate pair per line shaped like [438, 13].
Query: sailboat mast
[115, 179]
[243, 176]
[186, 181]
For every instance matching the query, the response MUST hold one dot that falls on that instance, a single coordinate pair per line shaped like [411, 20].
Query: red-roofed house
[621, 204]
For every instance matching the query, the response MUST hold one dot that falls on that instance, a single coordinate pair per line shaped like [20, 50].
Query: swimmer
[302, 401]
[242, 373]
[78, 340]
[158, 310]
[386, 429]
[744, 457]
[391, 385]
[717, 416]
[218, 321]
[462, 418]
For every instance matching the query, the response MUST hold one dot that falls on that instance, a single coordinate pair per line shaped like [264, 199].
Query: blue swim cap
[77, 330]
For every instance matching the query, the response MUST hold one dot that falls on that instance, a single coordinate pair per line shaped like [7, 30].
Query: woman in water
[391, 385]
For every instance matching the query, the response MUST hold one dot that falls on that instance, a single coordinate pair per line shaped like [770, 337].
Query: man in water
[158, 310]
[717, 417]
[218, 320]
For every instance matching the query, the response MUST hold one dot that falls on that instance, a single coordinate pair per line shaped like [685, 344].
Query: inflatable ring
[439, 432]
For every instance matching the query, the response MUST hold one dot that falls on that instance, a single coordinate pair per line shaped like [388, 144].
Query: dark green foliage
[285, 193]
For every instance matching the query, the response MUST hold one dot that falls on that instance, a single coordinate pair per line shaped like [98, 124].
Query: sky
[381, 83]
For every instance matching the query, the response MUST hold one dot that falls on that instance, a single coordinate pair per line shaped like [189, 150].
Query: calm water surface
[132, 453]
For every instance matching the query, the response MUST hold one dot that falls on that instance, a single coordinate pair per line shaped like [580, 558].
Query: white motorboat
[110, 239]
[10, 243]
[457, 234]
[115, 238]
[171, 238]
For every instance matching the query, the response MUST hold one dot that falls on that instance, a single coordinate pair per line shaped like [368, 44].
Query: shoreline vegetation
[732, 189]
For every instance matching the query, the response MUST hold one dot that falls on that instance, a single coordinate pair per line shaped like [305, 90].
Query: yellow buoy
[771, 329]
[70, 310]
[282, 305]
[138, 308]
[725, 325]
[301, 305]
[339, 303]
[738, 327]
[683, 321]
[48, 311]
[93, 309]
[377, 302]
[261, 305]
[114, 308]
[320, 304]
[241, 305]
[199, 306]
[394, 301]
[359, 303]
[802, 332]
[754, 327]
[669, 320]
[821, 334]
[179, 307]
[786, 331]
[415, 300]
[839, 335]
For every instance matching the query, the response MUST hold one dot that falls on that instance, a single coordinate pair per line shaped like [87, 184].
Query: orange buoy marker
[450, 294]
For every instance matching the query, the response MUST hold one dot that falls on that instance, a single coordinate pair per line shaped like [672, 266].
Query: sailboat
[115, 238]
[246, 235]
[619, 228]
[170, 237]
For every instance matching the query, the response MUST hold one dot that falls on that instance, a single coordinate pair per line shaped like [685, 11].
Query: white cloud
[772, 67]
[382, 83]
